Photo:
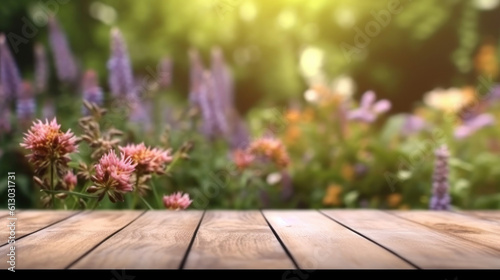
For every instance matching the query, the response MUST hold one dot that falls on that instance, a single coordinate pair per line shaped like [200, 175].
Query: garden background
[352, 97]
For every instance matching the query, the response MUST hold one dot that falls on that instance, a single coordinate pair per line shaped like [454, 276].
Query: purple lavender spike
[240, 136]
[139, 114]
[10, 77]
[25, 104]
[196, 78]
[121, 79]
[223, 80]
[65, 64]
[440, 199]
[91, 92]
[41, 68]
[165, 72]
[48, 110]
[5, 126]
[203, 97]
[217, 107]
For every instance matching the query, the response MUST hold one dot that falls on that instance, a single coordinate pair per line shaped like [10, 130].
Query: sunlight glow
[103, 12]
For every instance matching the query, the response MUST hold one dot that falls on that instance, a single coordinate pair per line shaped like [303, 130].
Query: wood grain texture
[59, 245]
[156, 240]
[470, 228]
[29, 221]
[490, 215]
[428, 249]
[236, 240]
[317, 242]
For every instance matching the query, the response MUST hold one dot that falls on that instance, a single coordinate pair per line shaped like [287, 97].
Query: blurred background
[284, 56]
[270, 46]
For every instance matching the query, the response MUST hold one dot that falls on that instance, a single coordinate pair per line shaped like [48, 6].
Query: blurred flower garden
[246, 104]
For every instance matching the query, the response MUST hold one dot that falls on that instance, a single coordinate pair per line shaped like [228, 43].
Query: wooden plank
[426, 248]
[470, 228]
[230, 239]
[156, 240]
[491, 215]
[58, 246]
[317, 242]
[30, 221]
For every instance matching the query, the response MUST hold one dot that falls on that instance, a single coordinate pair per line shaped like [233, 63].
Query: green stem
[70, 192]
[145, 202]
[176, 158]
[136, 193]
[95, 205]
[52, 196]
[76, 202]
[155, 193]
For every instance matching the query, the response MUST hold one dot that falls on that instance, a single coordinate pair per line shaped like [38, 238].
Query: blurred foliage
[277, 50]
[422, 46]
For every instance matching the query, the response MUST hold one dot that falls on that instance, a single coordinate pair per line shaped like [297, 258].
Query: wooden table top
[253, 239]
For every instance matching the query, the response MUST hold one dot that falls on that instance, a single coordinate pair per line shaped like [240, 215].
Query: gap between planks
[425, 247]
[64, 242]
[30, 221]
[157, 239]
[316, 241]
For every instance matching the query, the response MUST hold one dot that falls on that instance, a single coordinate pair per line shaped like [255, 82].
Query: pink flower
[242, 158]
[113, 175]
[177, 201]
[147, 160]
[48, 144]
[70, 180]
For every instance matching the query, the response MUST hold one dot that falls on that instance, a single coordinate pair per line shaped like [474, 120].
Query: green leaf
[351, 198]
[455, 162]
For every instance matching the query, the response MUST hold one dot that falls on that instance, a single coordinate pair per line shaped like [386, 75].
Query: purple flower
[165, 73]
[65, 63]
[10, 78]
[413, 124]
[139, 114]
[48, 110]
[91, 91]
[239, 136]
[121, 79]
[369, 109]
[214, 119]
[195, 77]
[5, 126]
[472, 125]
[440, 199]
[41, 68]
[223, 80]
[25, 104]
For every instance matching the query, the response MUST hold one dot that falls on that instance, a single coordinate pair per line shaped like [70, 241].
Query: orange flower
[292, 115]
[332, 195]
[308, 115]
[347, 172]
[271, 148]
[394, 199]
[292, 134]
[486, 60]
